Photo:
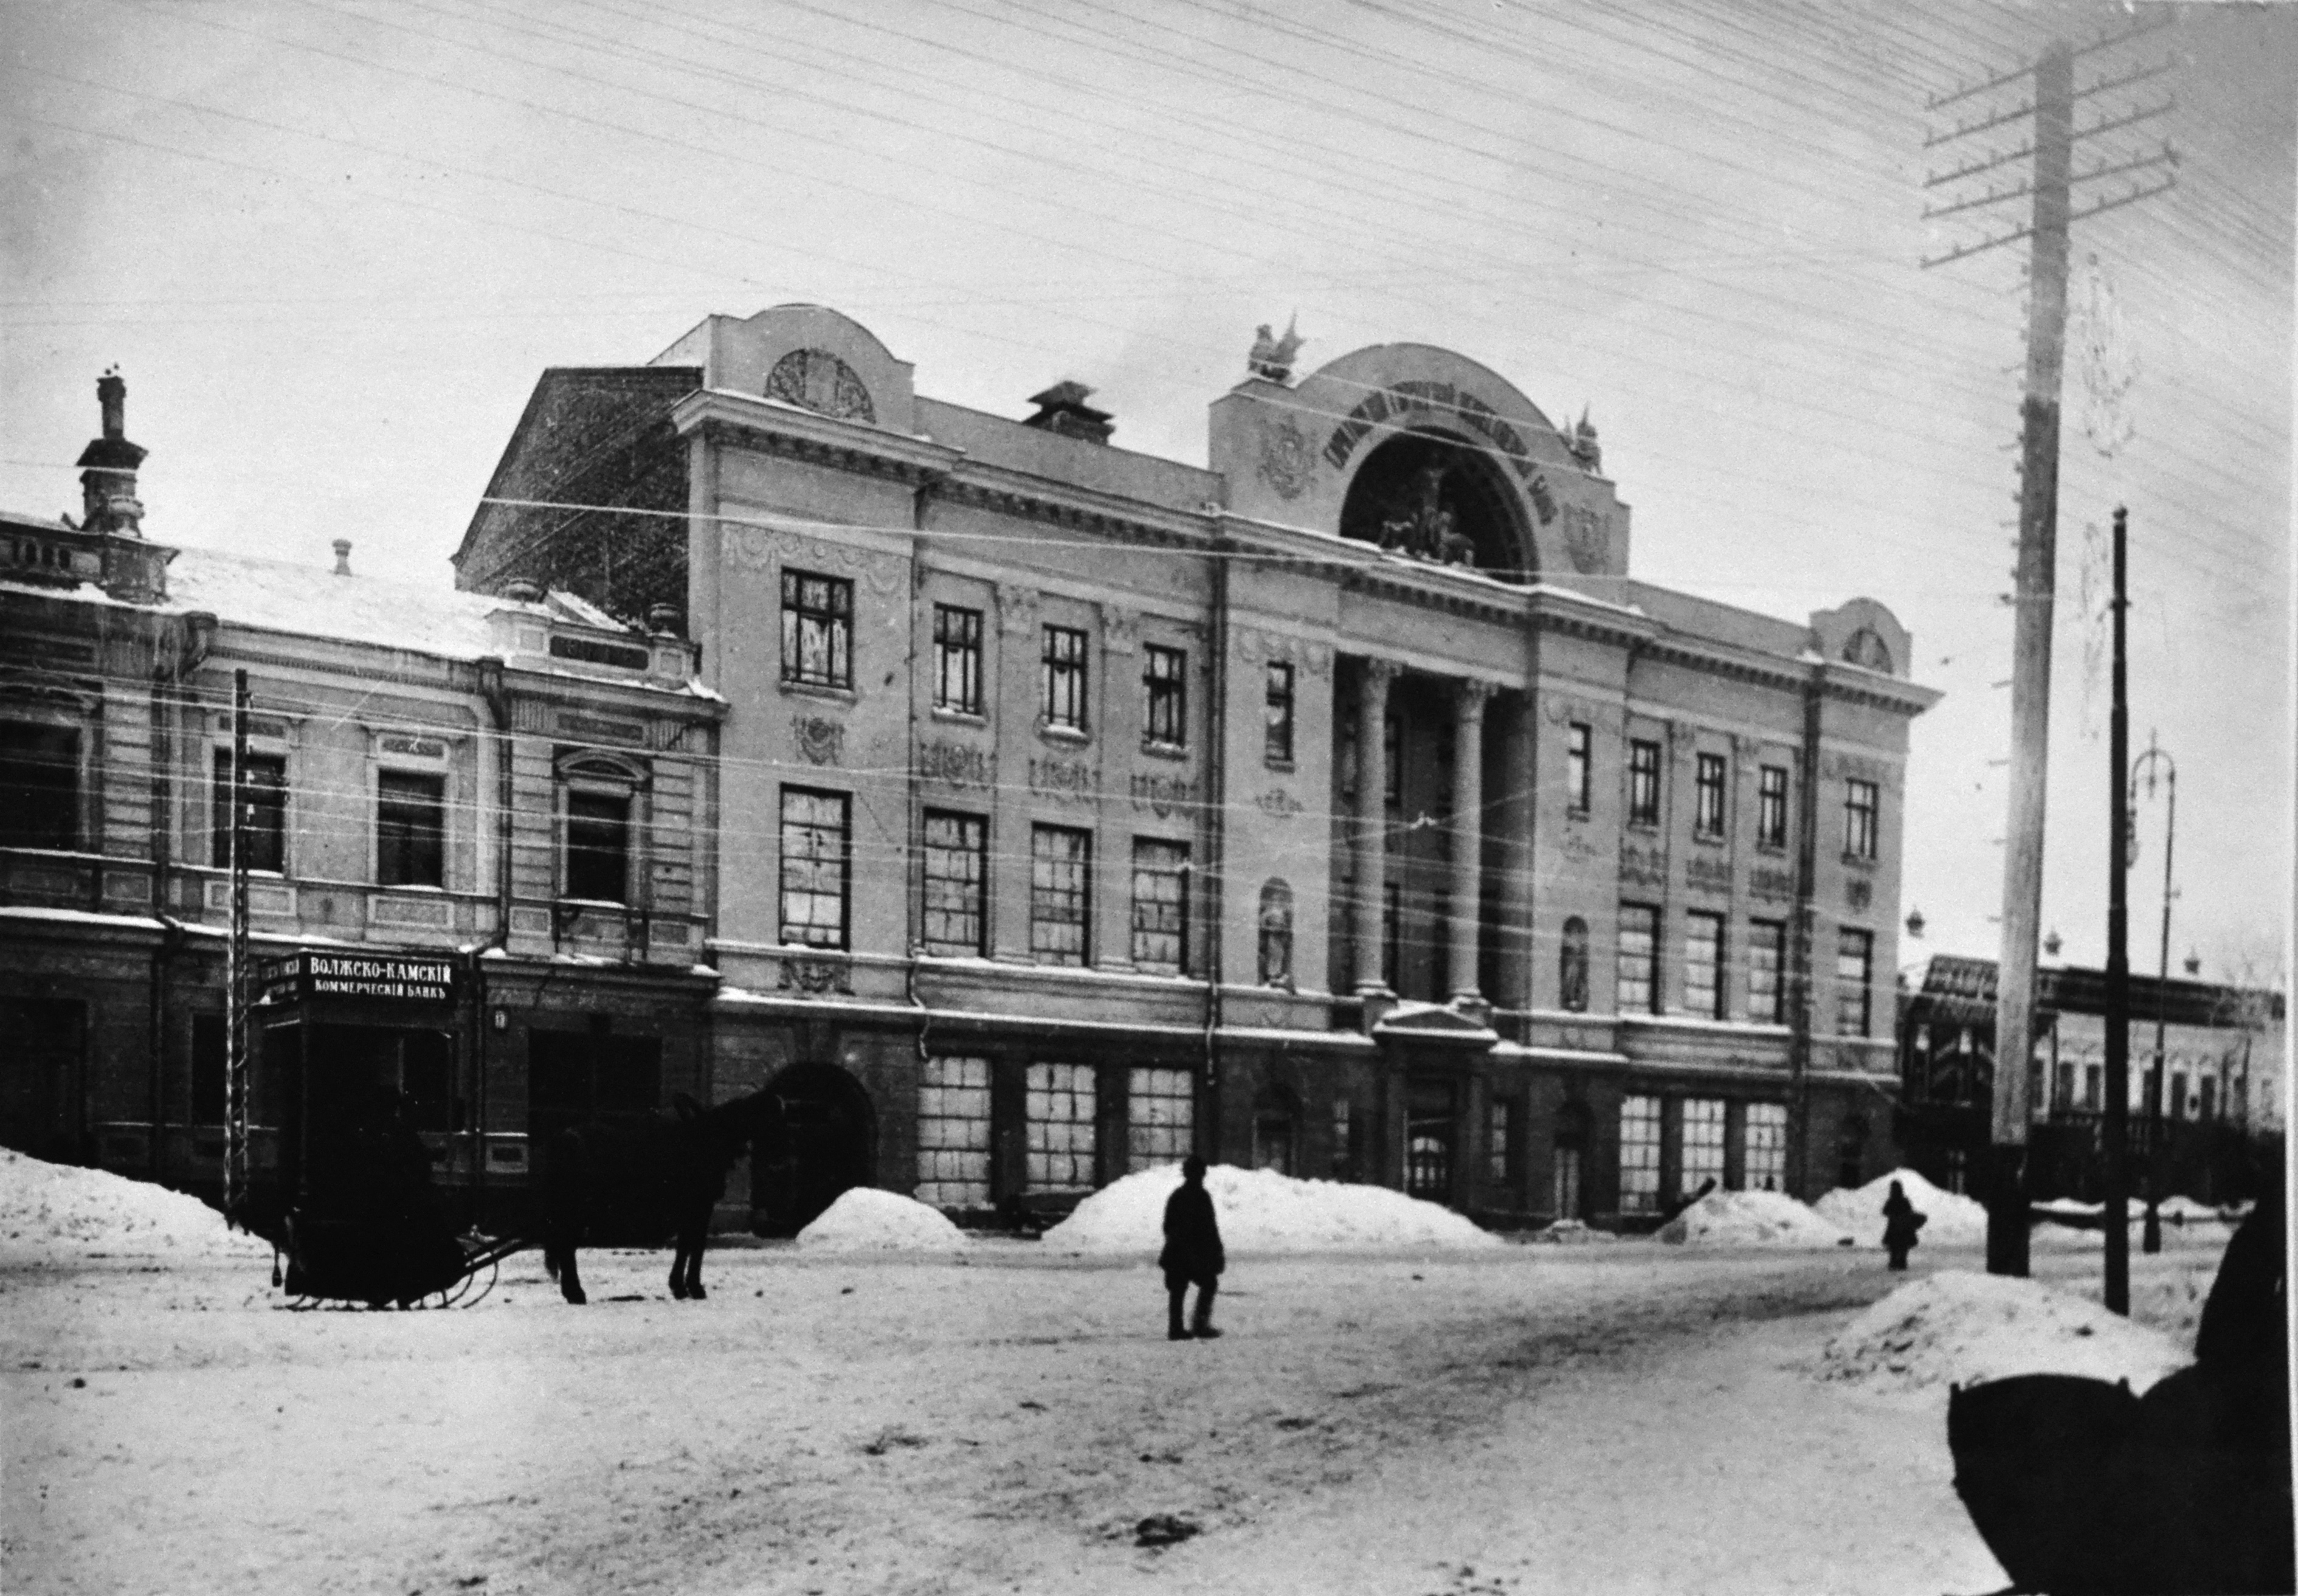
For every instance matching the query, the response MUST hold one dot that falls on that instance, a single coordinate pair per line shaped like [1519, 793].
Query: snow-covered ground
[57, 1212]
[1002, 1418]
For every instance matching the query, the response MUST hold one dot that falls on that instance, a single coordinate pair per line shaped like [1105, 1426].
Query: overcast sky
[331, 246]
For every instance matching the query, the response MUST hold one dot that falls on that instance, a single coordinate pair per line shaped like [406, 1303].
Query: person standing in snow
[1193, 1253]
[1900, 1223]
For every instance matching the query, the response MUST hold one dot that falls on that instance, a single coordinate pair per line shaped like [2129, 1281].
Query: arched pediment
[809, 356]
[1293, 454]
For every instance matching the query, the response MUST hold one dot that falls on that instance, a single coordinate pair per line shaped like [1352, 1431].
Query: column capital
[1470, 694]
[1382, 671]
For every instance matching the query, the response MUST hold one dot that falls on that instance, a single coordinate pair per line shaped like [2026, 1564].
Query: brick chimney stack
[342, 556]
[107, 477]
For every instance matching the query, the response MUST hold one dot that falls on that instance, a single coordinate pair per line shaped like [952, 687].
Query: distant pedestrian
[1900, 1223]
[1193, 1254]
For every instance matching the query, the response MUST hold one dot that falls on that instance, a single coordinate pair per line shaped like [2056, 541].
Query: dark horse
[659, 1177]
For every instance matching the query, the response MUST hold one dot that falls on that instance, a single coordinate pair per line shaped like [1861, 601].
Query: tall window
[1060, 893]
[817, 630]
[1707, 796]
[1854, 969]
[1276, 934]
[1062, 679]
[39, 785]
[1572, 965]
[817, 866]
[1771, 806]
[598, 846]
[1639, 991]
[1703, 964]
[1767, 943]
[1165, 697]
[1161, 1109]
[1343, 1141]
[1764, 1147]
[263, 789]
[1579, 743]
[957, 659]
[1643, 783]
[956, 860]
[1058, 1115]
[1859, 819]
[1639, 1155]
[1392, 934]
[1703, 1144]
[2094, 1078]
[411, 830]
[1161, 907]
[1499, 1140]
[1276, 738]
[953, 1132]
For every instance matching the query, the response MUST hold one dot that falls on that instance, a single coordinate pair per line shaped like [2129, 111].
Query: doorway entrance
[1430, 1112]
[832, 1148]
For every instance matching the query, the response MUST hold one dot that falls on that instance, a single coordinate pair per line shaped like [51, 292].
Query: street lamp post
[2152, 762]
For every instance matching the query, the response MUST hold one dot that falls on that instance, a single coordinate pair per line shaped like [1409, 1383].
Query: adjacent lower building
[1346, 807]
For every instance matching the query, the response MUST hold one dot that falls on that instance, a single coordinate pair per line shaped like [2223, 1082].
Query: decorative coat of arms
[822, 741]
[1584, 538]
[1284, 459]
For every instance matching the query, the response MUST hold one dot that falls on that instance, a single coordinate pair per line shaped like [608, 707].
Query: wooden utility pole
[2051, 189]
[234, 1069]
[2155, 761]
[2116, 1131]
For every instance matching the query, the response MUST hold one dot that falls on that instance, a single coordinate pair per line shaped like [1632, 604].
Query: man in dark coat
[1900, 1223]
[1193, 1253]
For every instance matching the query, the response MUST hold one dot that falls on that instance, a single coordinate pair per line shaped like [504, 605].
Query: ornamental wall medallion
[1017, 609]
[813, 975]
[1865, 649]
[820, 739]
[1071, 779]
[814, 379]
[1585, 538]
[960, 764]
[1285, 459]
[1163, 794]
[1859, 893]
[1279, 805]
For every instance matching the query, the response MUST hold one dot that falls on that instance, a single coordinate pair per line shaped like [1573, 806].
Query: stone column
[1514, 815]
[1469, 697]
[1372, 820]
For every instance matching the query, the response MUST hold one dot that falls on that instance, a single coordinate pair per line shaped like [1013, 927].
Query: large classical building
[1346, 807]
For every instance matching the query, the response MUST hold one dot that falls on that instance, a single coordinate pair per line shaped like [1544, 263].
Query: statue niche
[1427, 498]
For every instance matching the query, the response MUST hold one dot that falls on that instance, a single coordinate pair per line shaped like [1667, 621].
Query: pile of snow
[1571, 1233]
[2184, 1209]
[56, 1213]
[1959, 1327]
[1955, 1221]
[1751, 1220]
[865, 1220]
[1262, 1210]
[2071, 1208]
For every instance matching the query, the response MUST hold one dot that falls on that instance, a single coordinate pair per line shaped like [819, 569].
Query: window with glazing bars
[1061, 678]
[1060, 893]
[1855, 968]
[1058, 1120]
[1764, 1147]
[39, 785]
[1771, 806]
[1161, 907]
[953, 1132]
[1859, 801]
[956, 859]
[1643, 783]
[1639, 1155]
[1500, 1146]
[1165, 696]
[1703, 964]
[1161, 1112]
[411, 830]
[263, 791]
[1578, 750]
[1639, 992]
[957, 659]
[1767, 943]
[1707, 796]
[816, 866]
[598, 865]
[1277, 736]
[1703, 1144]
[817, 630]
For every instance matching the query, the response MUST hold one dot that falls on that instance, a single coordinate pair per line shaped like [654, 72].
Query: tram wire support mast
[2050, 186]
[235, 1074]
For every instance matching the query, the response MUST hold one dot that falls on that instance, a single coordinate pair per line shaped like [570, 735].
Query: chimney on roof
[342, 556]
[107, 477]
[662, 620]
[519, 590]
[1062, 408]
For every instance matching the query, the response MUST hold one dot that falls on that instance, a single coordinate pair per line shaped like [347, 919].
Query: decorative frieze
[1771, 882]
[803, 974]
[1073, 780]
[1643, 865]
[1279, 805]
[764, 548]
[1255, 645]
[1703, 873]
[594, 728]
[1162, 794]
[961, 764]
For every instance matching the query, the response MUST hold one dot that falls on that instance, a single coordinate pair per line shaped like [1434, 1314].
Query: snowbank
[2183, 1209]
[1263, 1211]
[865, 1220]
[1571, 1233]
[58, 1213]
[1955, 1221]
[1959, 1327]
[2072, 1208]
[1751, 1220]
